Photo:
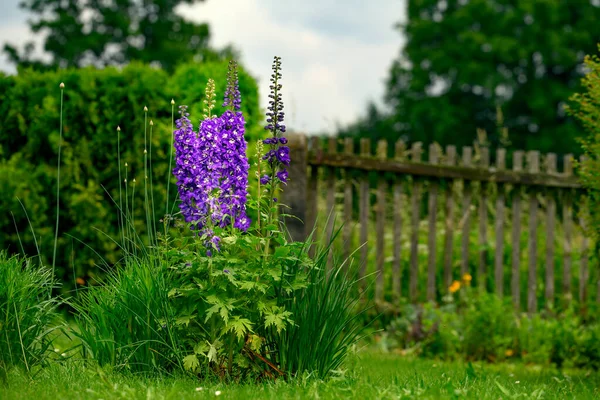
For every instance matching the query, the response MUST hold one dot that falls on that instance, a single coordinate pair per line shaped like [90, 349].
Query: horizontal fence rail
[510, 222]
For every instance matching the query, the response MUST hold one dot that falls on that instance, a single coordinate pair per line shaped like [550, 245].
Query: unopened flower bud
[145, 151]
[145, 108]
[172, 102]
[151, 123]
[62, 85]
[118, 129]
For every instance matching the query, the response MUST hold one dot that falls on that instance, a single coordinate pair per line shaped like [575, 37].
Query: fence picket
[466, 217]
[348, 226]
[483, 223]
[449, 223]
[499, 231]
[415, 196]
[312, 192]
[397, 267]
[380, 223]
[533, 166]
[365, 151]
[516, 234]
[568, 227]
[550, 227]
[432, 210]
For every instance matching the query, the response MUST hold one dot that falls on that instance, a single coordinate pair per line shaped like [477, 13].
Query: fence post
[294, 194]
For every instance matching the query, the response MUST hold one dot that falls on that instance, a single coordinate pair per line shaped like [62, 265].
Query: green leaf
[281, 251]
[212, 352]
[256, 343]
[278, 318]
[184, 320]
[240, 326]
[191, 362]
[201, 348]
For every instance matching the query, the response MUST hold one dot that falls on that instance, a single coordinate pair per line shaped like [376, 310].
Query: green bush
[95, 103]
[585, 107]
[27, 312]
[483, 327]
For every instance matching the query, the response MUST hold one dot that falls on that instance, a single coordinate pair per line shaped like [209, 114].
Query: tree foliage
[585, 107]
[113, 32]
[465, 58]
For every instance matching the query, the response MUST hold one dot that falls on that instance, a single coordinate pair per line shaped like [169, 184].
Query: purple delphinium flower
[234, 169]
[282, 175]
[264, 179]
[212, 168]
[278, 155]
[186, 170]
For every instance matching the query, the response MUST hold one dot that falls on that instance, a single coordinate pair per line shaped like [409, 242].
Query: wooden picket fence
[454, 186]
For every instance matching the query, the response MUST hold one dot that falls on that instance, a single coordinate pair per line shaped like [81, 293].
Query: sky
[335, 54]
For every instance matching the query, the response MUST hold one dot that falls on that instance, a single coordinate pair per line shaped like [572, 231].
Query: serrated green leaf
[240, 326]
[191, 362]
[278, 318]
[201, 348]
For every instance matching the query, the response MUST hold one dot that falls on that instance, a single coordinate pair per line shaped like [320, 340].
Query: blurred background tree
[114, 32]
[465, 58]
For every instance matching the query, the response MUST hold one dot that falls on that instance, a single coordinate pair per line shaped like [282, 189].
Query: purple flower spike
[264, 179]
[278, 155]
[212, 168]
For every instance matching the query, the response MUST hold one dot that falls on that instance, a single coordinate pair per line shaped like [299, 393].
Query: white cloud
[335, 59]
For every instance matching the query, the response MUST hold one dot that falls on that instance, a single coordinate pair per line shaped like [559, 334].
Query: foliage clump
[585, 107]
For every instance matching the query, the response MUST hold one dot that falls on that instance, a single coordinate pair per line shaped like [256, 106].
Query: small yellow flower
[467, 279]
[454, 287]
[509, 353]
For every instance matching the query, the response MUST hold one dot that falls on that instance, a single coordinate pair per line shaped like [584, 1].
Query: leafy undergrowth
[369, 375]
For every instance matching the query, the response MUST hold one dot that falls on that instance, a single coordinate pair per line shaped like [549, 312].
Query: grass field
[368, 375]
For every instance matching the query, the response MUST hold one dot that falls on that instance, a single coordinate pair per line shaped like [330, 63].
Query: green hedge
[96, 101]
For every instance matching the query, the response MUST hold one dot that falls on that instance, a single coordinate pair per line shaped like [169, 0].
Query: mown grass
[368, 375]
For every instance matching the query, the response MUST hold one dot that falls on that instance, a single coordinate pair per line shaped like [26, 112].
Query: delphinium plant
[229, 275]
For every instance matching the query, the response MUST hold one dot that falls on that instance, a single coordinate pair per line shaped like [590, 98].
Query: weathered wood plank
[484, 163]
[499, 228]
[348, 225]
[585, 245]
[312, 192]
[467, 160]
[398, 205]
[414, 222]
[550, 228]
[568, 232]
[365, 149]
[330, 201]
[533, 167]
[432, 211]
[380, 224]
[516, 234]
[459, 172]
[449, 222]
[295, 195]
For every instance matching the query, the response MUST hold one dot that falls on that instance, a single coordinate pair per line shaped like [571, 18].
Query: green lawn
[369, 375]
